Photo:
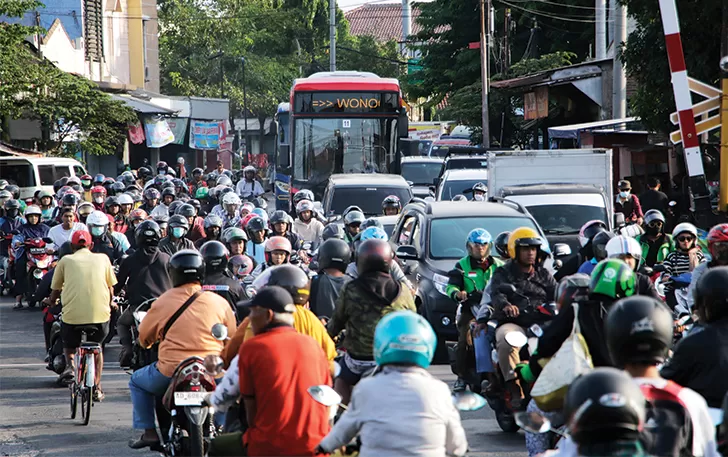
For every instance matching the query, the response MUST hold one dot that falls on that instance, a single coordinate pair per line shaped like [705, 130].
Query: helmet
[13, 189]
[117, 188]
[98, 190]
[249, 168]
[280, 216]
[404, 337]
[613, 278]
[231, 198]
[372, 222]
[590, 229]
[711, 294]
[147, 233]
[111, 201]
[222, 190]
[571, 287]
[73, 180]
[521, 237]
[501, 244]
[303, 194]
[374, 255]
[224, 181]
[172, 209]
[186, 266]
[260, 202]
[479, 236]
[179, 221]
[95, 218]
[5, 195]
[125, 199]
[354, 217]
[144, 172]
[159, 181]
[718, 235]
[34, 209]
[373, 233]
[624, 245]
[12, 208]
[684, 227]
[639, 329]
[168, 191]
[604, 405]
[249, 207]
[138, 215]
[3, 184]
[44, 193]
[391, 201]
[652, 216]
[213, 220]
[152, 194]
[350, 209]
[186, 210]
[197, 172]
[70, 199]
[334, 253]
[216, 256]
[288, 276]
[201, 193]
[99, 179]
[460, 198]
[277, 243]
[599, 244]
[233, 234]
[256, 224]
[333, 231]
[162, 166]
[301, 206]
[243, 262]
[161, 218]
[479, 187]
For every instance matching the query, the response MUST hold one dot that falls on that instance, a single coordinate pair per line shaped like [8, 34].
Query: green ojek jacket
[473, 279]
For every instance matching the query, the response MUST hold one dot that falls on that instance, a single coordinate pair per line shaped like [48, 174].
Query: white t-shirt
[59, 235]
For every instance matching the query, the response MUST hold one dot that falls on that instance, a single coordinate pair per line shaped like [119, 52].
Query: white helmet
[684, 227]
[97, 218]
[125, 199]
[33, 209]
[624, 245]
[231, 198]
[304, 205]
[249, 168]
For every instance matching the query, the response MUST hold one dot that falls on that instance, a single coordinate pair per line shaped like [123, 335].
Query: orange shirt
[276, 369]
[191, 334]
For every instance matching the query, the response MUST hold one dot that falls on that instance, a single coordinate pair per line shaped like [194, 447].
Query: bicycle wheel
[86, 399]
[74, 399]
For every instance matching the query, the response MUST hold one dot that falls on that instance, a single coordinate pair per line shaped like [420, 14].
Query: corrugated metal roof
[381, 21]
[572, 131]
[141, 106]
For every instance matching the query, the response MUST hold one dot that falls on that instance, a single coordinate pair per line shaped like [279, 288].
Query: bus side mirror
[284, 156]
[403, 125]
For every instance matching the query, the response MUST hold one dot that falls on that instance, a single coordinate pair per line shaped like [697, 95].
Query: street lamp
[245, 109]
[222, 74]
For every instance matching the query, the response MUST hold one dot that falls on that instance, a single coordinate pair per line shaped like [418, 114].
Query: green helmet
[233, 233]
[613, 278]
[201, 193]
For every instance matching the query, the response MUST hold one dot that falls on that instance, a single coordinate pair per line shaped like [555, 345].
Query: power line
[541, 13]
[561, 4]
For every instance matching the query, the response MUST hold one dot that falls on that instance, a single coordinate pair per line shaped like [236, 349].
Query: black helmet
[147, 233]
[111, 201]
[260, 202]
[216, 256]
[65, 249]
[280, 216]
[195, 204]
[333, 231]
[197, 171]
[179, 221]
[501, 244]
[56, 185]
[144, 172]
[711, 294]
[391, 201]
[303, 194]
[638, 330]
[572, 287]
[117, 188]
[172, 209]
[162, 166]
[151, 193]
[169, 191]
[291, 278]
[603, 406]
[186, 210]
[186, 266]
[13, 189]
[374, 255]
[70, 199]
[354, 217]
[334, 253]
[599, 244]
[255, 224]
[12, 208]
[371, 222]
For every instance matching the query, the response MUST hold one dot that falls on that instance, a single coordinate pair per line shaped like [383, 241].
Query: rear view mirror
[561, 250]
[407, 252]
[507, 289]
[219, 332]
[533, 422]
[48, 240]
[403, 125]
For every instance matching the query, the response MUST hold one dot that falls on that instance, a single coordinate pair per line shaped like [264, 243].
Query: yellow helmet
[523, 236]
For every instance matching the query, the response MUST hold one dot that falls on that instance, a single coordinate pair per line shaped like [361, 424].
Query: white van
[33, 173]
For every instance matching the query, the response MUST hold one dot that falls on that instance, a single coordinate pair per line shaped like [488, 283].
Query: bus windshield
[325, 146]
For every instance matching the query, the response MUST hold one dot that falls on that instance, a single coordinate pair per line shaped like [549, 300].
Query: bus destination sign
[346, 102]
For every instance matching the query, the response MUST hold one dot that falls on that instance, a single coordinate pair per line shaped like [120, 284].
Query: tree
[645, 56]
[67, 106]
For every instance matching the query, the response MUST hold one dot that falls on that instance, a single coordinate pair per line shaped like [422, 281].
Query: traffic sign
[700, 108]
[700, 128]
[713, 95]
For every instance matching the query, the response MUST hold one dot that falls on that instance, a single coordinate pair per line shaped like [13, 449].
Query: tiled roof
[382, 21]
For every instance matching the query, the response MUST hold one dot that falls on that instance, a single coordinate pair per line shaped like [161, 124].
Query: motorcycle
[39, 262]
[7, 264]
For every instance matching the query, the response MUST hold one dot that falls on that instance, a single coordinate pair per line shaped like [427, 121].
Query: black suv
[366, 190]
[429, 239]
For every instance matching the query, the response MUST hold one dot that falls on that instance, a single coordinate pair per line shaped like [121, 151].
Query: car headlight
[440, 283]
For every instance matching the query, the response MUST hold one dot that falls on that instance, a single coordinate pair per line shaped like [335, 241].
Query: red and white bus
[340, 122]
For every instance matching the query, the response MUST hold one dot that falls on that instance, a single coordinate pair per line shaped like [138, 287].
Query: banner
[158, 132]
[205, 134]
[136, 132]
[178, 125]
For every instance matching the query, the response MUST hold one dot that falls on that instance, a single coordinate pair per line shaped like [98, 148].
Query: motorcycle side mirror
[516, 339]
[672, 204]
[220, 332]
[48, 240]
[507, 289]
[649, 271]
[659, 268]
[619, 220]
[468, 401]
[214, 365]
[325, 395]
[532, 422]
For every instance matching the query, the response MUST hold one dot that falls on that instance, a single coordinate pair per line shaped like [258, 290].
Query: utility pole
[484, 71]
[245, 113]
[506, 44]
[619, 80]
[406, 27]
[332, 35]
[601, 29]
[724, 111]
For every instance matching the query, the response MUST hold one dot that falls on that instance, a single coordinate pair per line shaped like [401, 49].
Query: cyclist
[391, 205]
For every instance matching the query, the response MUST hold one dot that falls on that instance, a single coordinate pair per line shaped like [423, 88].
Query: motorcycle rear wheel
[506, 421]
[196, 441]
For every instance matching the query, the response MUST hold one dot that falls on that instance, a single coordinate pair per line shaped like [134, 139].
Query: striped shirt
[678, 262]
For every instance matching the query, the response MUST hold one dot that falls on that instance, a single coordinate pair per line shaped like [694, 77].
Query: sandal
[99, 395]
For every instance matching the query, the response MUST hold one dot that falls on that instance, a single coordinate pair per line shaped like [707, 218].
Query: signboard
[205, 134]
[346, 102]
[536, 104]
[158, 132]
[178, 125]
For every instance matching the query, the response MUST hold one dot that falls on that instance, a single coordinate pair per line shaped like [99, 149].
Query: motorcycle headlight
[440, 283]
[37, 274]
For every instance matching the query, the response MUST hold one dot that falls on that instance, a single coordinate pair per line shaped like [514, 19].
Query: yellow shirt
[191, 333]
[84, 279]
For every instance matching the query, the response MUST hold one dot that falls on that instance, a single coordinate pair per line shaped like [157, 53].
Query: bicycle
[84, 384]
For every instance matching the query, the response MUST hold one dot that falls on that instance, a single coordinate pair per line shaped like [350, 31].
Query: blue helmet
[404, 337]
[479, 236]
[373, 233]
[260, 212]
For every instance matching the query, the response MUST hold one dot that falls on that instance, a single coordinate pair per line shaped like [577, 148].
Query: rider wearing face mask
[718, 246]
[136, 217]
[103, 241]
[98, 197]
[655, 243]
[627, 203]
[175, 239]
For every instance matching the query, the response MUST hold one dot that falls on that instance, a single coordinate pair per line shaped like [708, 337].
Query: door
[408, 232]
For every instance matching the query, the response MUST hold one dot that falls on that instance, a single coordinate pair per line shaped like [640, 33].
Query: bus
[340, 122]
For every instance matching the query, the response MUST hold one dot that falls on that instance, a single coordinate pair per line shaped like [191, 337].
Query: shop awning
[141, 106]
[572, 131]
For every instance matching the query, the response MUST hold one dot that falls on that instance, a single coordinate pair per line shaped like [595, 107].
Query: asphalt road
[35, 414]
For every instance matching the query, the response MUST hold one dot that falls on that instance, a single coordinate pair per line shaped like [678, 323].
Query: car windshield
[448, 235]
[369, 199]
[466, 163]
[565, 219]
[452, 188]
[20, 174]
[421, 173]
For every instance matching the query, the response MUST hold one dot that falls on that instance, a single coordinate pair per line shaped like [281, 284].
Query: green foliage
[364, 53]
[67, 106]
[645, 56]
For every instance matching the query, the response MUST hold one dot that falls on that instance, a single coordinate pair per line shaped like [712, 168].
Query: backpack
[668, 427]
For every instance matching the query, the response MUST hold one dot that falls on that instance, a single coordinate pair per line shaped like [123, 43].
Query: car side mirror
[507, 289]
[619, 220]
[562, 250]
[407, 252]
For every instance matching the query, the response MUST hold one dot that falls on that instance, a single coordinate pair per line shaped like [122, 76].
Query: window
[78, 171]
[420, 173]
[448, 235]
[45, 172]
[61, 171]
[369, 199]
[452, 188]
[409, 226]
[20, 174]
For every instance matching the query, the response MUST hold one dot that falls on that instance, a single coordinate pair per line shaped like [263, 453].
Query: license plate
[189, 398]
[37, 251]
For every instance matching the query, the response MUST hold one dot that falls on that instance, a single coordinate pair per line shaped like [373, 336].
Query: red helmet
[277, 243]
[98, 190]
[718, 234]
[246, 219]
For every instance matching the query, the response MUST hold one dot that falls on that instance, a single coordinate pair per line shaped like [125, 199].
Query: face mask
[624, 194]
[178, 232]
[652, 230]
[162, 172]
[97, 231]
[98, 199]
